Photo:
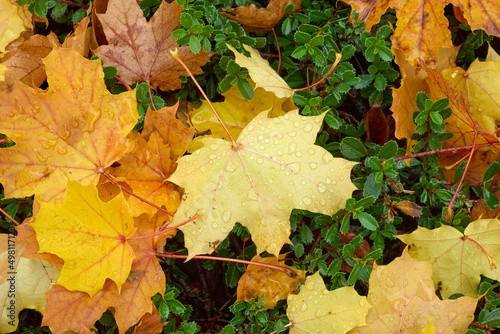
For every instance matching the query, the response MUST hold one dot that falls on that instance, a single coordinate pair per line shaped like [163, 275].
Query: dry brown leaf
[140, 50]
[25, 63]
[275, 284]
[258, 20]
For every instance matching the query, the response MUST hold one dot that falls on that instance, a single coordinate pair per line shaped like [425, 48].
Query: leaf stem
[165, 230]
[175, 54]
[279, 51]
[136, 196]
[337, 61]
[451, 149]
[447, 217]
[286, 270]
[490, 260]
[72, 3]
[8, 216]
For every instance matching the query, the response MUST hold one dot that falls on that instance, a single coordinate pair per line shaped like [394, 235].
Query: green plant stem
[286, 270]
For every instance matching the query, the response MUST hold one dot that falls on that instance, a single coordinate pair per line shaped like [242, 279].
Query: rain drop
[226, 216]
[308, 127]
[296, 124]
[306, 200]
[321, 187]
[298, 154]
[313, 165]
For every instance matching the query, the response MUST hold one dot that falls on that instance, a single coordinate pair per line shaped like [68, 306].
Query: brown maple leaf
[140, 49]
[258, 20]
[25, 62]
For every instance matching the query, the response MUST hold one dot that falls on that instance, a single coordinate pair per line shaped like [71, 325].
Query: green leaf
[164, 310]
[175, 306]
[302, 37]
[491, 171]
[195, 44]
[365, 202]
[490, 199]
[389, 150]
[245, 89]
[367, 221]
[352, 148]
[380, 82]
[186, 20]
[353, 276]
[110, 72]
[344, 225]
[421, 98]
[371, 186]
[374, 163]
[440, 105]
[229, 329]
[40, 8]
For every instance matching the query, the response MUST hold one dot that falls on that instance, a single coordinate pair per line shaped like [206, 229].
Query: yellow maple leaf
[73, 130]
[261, 73]
[274, 284]
[236, 112]
[12, 24]
[458, 259]
[89, 235]
[317, 310]
[23, 283]
[403, 299]
[271, 169]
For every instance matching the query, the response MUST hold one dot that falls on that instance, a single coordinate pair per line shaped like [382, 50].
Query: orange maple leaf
[275, 284]
[140, 49]
[258, 20]
[25, 62]
[146, 170]
[73, 130]
[422, 28]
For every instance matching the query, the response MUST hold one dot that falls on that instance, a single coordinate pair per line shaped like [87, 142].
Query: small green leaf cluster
[59, 11]
[249, 317]
[172, 311]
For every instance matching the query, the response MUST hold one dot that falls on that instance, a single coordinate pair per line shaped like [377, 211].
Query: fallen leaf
[140, 49]
[236, 112]
[403, 299]
[258, 20]
[71, 310]
[255, 181]
[376, 126]
[275, 284]
[150, 324]
[481, 210]
[422, 28]
[458, 259]
[411, 209]
[261, 73]
[25, 63]
[89, 235]
[23, 283]
[146, 170]
[52, 144]
[171, 130]
[12, 24]
[80, 37]
[317, 310]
